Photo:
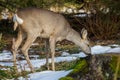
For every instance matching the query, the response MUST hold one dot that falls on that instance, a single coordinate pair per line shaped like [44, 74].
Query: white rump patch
[18, 19]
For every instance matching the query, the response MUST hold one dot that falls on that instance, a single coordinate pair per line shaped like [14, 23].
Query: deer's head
[85, 45]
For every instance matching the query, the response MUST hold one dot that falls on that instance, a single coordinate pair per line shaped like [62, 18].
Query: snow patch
[114, 50]
[47, 75]
[65, 54]
[100, 49]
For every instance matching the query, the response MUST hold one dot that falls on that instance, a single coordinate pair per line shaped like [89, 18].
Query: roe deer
[35, 22]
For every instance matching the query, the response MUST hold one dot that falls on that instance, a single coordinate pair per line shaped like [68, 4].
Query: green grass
[66, 78]
[113, 65]
[10, 73]
[60, 66]
[3, 44]
[69, 48]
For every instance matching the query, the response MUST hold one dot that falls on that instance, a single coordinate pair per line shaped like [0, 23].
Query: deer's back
[43, 22]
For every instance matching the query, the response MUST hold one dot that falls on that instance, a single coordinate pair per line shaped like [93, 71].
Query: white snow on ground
[80, 54]
[38, 63]
[114, 50]
[6, 55]
[65, 56]
[100, 49]
[47, 75]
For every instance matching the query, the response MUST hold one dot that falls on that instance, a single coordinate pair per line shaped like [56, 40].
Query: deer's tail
[17, 20]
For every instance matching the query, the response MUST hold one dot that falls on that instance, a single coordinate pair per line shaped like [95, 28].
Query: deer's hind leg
[47, 53]
[30, 39]
[15, 45]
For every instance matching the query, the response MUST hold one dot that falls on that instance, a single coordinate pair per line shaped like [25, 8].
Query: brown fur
[46, 24]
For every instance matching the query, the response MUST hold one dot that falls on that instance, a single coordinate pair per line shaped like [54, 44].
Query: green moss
[113, 64]
[66, 78]
[79, 66]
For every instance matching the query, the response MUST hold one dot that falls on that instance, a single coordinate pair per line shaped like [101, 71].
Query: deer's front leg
[52, 48]
[25, 48]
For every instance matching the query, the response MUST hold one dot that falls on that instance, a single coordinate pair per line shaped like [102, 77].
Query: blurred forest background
[100, 17]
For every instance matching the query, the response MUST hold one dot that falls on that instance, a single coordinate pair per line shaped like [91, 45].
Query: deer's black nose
[89, 56]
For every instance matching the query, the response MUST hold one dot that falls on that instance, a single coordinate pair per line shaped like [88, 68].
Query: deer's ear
[84, 33]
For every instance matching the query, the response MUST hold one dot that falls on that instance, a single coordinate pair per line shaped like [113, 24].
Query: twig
[0, 36]
[117, 68]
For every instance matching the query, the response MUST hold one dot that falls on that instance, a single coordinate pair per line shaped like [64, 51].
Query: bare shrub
[99, 26]
[3, 43]
[103, 26]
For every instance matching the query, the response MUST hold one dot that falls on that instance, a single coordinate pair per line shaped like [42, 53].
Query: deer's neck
[74, 37]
